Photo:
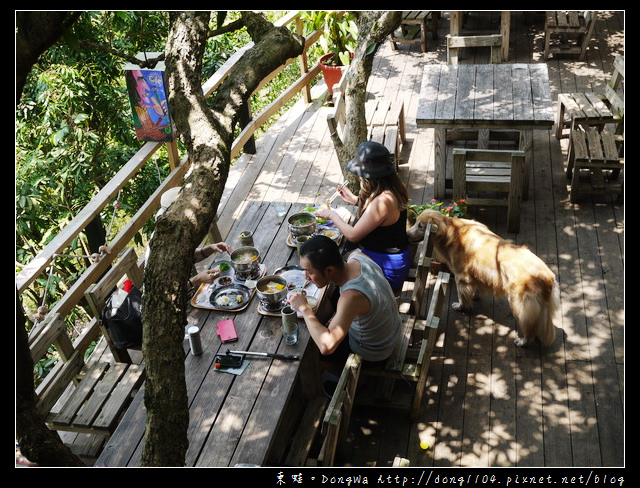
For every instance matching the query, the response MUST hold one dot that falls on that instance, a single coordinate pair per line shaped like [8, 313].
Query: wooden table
[237, 419]
[485, 96]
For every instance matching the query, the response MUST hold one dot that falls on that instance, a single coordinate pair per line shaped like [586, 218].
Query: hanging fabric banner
[146, 89]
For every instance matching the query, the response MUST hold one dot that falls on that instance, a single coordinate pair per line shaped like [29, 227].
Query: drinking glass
[281, 208]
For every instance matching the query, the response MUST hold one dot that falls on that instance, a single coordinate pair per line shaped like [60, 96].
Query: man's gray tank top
[373, 335]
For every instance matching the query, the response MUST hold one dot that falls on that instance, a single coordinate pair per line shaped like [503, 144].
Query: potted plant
[453, 209]
[337, 42]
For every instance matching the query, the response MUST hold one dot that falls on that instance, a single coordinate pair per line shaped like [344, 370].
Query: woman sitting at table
[366, 319]
[380, 230]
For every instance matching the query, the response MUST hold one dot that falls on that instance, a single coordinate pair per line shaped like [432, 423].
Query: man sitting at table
[366, 312]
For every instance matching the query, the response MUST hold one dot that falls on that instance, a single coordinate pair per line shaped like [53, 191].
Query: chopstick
[334, 196]
[266, 354]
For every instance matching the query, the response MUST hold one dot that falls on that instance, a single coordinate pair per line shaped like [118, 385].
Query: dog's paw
[521, 342]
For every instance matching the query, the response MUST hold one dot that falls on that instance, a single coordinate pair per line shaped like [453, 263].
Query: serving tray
[202, 297]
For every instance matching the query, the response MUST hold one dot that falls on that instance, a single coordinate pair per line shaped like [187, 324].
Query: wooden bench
[455, 43]
[562, 27]
[384, 119]
[324, 422]
[411, 358]
[103, 389]
[500, 171]
[593, 108]
[599, 154]
[338, 413]
[425, 20]
[385, 124]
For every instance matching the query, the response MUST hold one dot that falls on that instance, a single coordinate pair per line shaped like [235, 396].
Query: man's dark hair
[322, 252]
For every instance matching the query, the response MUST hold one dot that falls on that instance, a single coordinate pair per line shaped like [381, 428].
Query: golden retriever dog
[483, 262]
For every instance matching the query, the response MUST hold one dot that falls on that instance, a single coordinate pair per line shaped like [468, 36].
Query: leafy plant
[453, 209]
[340, 33]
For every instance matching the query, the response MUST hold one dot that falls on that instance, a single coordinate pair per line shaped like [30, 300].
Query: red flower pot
[332, 74]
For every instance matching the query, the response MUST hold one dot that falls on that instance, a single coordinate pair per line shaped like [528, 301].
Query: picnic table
[484, 97]
[238, 419]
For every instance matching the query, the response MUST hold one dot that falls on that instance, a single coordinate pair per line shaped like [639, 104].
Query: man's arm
[350, 304]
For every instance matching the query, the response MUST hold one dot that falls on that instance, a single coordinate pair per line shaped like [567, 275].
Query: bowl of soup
[272, 291]
[302, 224]
[246, 262]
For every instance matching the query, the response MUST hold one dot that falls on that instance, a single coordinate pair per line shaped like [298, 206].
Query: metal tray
[230, 297]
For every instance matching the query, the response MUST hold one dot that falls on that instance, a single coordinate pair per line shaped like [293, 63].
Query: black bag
[125, 323]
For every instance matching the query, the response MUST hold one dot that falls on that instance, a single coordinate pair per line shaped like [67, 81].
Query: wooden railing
[51, 329]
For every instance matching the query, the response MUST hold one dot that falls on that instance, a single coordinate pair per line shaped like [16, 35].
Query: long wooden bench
[420, 305]
[384, 119]
[326, 424]
[338, 413]
[91, 397]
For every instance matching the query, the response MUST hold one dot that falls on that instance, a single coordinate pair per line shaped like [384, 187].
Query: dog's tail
[545, 330]
[541, 309]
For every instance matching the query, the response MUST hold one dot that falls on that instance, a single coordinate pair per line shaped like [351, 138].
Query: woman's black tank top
[388, 238]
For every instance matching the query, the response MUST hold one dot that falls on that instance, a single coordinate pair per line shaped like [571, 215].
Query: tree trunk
[35, 33]
[206, 129]
[373, 27]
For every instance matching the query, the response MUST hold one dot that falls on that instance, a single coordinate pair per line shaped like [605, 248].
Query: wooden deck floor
[489, 403]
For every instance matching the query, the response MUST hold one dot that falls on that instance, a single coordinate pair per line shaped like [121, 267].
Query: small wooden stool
[568, 25]
[419, 18]
[595, 152]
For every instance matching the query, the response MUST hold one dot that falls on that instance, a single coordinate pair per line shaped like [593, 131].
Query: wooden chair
[455, 43]
[306, 433]
[338, 413]
[592, 108]
[564, 27]
[413, 297]
[502, 171]
[384, 119]
[104, 389]
[599, 154]
[425, 20]
[410, 360]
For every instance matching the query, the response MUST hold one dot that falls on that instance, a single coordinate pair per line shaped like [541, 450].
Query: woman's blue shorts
[394, 266]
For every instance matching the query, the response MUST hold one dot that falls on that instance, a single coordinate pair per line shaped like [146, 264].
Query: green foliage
[453, 209]
[340, 33]
[74, 132]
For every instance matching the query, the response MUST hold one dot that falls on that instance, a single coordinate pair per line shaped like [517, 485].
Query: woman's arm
[383, 210]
